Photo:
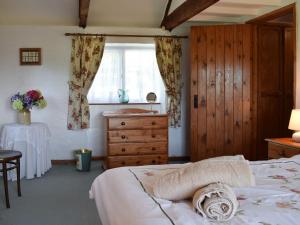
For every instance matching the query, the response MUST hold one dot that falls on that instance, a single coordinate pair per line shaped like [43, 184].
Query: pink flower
[34, 95]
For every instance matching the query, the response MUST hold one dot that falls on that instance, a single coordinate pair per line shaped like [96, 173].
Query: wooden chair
[8, 157]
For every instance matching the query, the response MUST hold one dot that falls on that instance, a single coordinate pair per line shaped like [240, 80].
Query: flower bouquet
[23, 103]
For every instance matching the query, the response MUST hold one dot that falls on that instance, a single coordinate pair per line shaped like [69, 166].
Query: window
[131, 67]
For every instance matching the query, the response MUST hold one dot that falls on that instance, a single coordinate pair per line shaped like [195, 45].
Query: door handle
[196, 101]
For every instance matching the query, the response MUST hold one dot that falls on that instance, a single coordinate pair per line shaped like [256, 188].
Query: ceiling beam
[83, 12]
[166, 12]
[186, 11]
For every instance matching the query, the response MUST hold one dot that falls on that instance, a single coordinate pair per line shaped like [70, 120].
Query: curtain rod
[123, 35]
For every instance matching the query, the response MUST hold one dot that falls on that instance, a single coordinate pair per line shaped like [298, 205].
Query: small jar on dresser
[135, 137]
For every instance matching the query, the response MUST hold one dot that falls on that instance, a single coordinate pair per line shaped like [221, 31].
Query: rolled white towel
[216, 201]
[184, 182]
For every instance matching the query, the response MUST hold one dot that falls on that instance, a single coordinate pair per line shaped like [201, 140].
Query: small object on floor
[83, 159]
[8, 157]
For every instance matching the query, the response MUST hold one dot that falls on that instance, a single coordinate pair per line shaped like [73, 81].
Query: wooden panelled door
[275, 71]
[221, 91]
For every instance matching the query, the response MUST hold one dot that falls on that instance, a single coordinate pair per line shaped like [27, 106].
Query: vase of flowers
[23, 103]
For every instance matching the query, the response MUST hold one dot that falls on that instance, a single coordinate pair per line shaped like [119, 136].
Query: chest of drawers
[282, 148]
[134, 139]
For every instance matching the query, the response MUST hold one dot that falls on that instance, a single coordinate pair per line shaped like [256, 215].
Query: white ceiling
[136, 13]
[39, 12]
[126, 13]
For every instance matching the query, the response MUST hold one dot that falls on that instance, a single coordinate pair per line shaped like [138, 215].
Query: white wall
[52, 77]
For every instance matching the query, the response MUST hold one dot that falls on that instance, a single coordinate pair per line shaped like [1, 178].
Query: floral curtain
[86, 56]
[168, 54]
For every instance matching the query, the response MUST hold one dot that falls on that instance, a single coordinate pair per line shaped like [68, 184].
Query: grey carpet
[58, 198]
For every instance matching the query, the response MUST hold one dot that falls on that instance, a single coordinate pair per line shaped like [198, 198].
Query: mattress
[123, 196]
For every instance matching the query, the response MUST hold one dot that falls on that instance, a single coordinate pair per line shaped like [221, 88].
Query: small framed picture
[30, 56]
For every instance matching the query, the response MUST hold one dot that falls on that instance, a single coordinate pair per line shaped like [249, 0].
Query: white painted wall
[52, 77]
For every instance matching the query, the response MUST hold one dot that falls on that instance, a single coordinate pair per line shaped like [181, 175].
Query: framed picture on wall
[30, 56]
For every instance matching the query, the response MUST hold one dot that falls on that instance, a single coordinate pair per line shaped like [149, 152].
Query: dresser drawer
[277, 151]
[138, 148]
[127, 123]
[125, 136]
[118, 161]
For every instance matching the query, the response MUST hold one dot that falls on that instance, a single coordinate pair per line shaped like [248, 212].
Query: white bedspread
[124, 197]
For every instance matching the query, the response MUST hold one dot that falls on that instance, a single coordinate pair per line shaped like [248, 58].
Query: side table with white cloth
[33, 141]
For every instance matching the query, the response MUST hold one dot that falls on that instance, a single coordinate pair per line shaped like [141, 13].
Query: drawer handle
[153, 148]
[153, 123]
[123, 163]
[153, 161]
[123, 136]
[123, 123]
[123, 149]
[282, 154]
[138, 162]
[153, 135]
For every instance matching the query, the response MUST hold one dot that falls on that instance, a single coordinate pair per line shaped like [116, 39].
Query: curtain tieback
[171, 92]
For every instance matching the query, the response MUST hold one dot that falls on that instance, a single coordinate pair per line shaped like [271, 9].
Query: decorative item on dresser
[136, 137]
[282, 148]
[295, 124]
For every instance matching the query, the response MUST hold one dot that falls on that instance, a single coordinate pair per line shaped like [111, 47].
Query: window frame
[123, 47]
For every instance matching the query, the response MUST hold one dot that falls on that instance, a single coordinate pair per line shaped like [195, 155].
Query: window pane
[141, 74]
[130, 67]
[108, 79]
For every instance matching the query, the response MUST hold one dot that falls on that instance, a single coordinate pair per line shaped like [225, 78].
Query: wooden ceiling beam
[83, 12]
[185, 11]
[166, 12]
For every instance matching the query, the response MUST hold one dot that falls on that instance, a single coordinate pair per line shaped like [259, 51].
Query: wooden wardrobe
[241, 89]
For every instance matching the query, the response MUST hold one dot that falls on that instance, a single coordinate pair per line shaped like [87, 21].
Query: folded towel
[216, 201]
[182, 183]
[226, 157]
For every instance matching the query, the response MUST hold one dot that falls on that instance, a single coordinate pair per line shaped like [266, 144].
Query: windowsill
[130, 103]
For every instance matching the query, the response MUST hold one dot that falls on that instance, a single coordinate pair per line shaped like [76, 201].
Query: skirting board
[98, 158]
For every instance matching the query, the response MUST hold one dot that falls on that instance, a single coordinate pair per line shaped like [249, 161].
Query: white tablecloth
[32, 140]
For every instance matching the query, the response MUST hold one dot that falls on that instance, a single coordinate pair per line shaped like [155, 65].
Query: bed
[123, 196]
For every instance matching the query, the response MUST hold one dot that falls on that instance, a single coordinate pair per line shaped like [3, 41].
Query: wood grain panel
[195, 39]
[124, 136]
[288, 76]
[229, 62]
[128, 123]
[138, 148]
[202, 93]
[270, 85]
[247, 71]
[238, 90]
[254, 93]
[211, 91]
[133, 138]
[224, 88]
[220, 91]
[118, 161]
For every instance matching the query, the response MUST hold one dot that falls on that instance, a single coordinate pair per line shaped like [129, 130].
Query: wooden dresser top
[133, 112]
[284, 141]
[134, 115]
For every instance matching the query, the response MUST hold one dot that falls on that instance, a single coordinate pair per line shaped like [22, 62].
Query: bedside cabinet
[135, 137]
[282, 148]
